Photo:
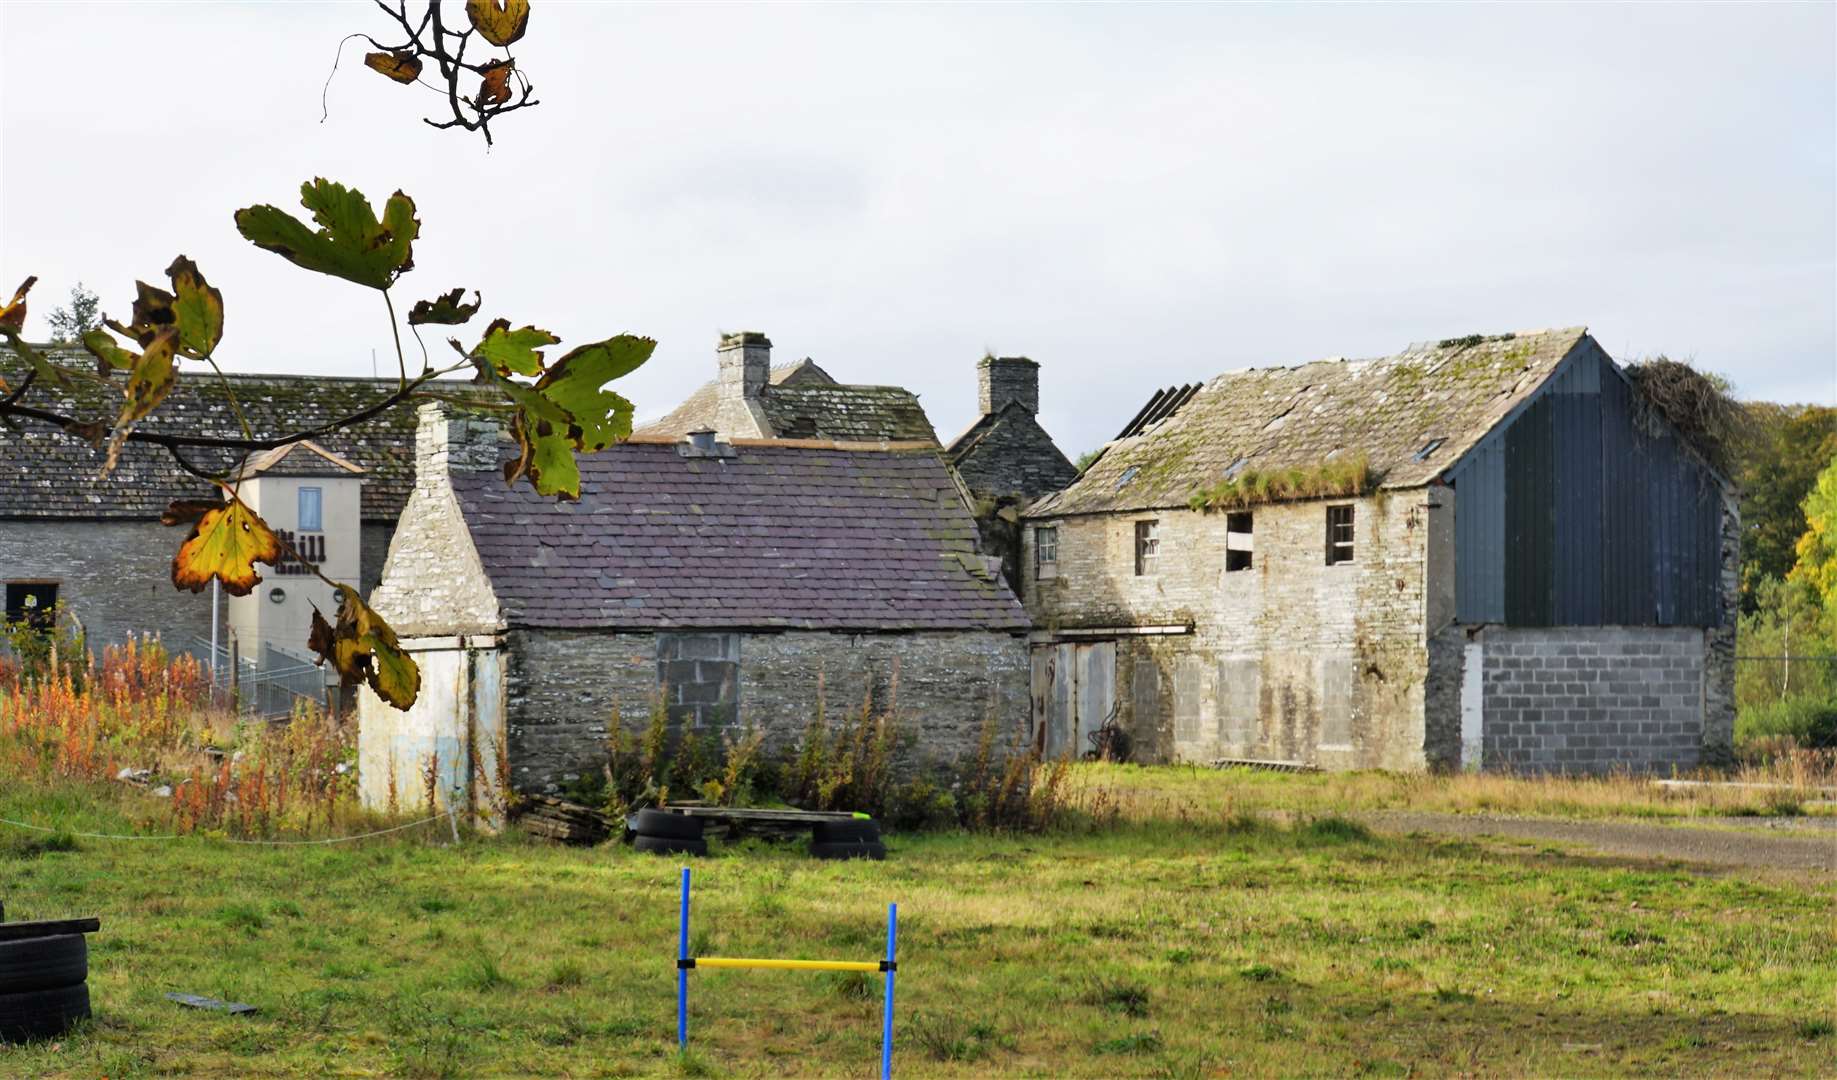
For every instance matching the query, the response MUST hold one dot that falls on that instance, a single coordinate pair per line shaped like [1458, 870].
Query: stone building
[737, 581]
[97, 546]
[1529, 569]
[751, 399]
[1006, 459]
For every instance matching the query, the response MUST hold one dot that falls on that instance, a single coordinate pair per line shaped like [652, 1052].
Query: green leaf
[569, 410]
[148, 384]
[350, 242]
[445, 309]
[197, 307]
[513, 352]
[102, 345]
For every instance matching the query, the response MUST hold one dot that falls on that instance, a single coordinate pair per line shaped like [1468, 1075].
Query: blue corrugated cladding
[1569, 515]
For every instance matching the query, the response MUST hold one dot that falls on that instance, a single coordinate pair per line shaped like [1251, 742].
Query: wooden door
[1074, 695]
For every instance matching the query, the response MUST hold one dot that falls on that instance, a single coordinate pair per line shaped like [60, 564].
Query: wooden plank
[786, 817]
[15, 931]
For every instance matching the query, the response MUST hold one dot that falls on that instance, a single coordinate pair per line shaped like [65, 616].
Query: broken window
[312, 510]
[1147, 547]
[1046, 551]
[1238, 541]
[31, 602]
[1339, 534]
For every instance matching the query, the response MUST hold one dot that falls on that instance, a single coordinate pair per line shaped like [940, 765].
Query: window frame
[1148, 547]
[1045, 551]
[1342, 516]
[1240, 554]
[318, 525]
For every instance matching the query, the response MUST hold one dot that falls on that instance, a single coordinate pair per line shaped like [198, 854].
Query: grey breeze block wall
[1290, 660]
[563, 687]
[1579, 699]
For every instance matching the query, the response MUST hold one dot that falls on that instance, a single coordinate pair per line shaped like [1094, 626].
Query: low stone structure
[747, 583]
[1527, 569]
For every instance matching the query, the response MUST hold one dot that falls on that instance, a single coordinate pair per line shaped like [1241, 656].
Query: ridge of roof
[265, 460]
[1410, 414]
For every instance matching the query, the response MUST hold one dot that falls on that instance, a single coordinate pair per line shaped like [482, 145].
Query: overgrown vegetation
[1700, 405]
[1337, 477]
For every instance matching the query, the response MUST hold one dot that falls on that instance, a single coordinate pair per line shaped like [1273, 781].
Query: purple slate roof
[778, 535]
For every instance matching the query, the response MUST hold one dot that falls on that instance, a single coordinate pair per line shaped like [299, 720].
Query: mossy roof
[802, 401]
[1388, 409]
[45, 473]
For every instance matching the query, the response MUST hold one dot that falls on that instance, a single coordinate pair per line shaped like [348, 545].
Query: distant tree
[1085, 459]
[79, 317]
[1778, 469]
[1817, 548]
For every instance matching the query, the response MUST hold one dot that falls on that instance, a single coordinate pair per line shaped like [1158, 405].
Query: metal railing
[265, 681]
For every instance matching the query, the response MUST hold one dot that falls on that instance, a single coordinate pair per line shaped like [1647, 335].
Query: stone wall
[1015, 456]
[1592, 699]
[1290, 659]
[114, 576]
[563, 687]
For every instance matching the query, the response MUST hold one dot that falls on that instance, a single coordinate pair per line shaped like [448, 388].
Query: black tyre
[44, 963]
[42, 1014]
[851, 850]
[662, 823]
[859, 831]
[668, 845]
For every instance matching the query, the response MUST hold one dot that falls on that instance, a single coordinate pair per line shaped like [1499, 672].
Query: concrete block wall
[1592, 699]
[1290, 660]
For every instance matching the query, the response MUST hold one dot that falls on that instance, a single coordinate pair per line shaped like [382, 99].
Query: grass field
[1189, 939]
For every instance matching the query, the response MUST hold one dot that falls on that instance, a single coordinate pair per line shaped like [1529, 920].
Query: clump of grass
[567, 973]
[1259, 973]
[851, 985]
[33, 846]
[1140, 1042]
[1347, 476]
[1633, 937]
[1820, 1028]
[951, 1038]
[1447, 995]
[434, 905]
[481, 971]
[242, 917]
[1335, 830]
[1118, 996]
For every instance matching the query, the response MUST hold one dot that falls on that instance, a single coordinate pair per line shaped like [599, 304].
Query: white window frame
[1340, 552]
[1148, 547]
[1046, 551]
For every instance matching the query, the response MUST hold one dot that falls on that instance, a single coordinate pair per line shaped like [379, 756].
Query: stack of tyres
[663, 833]
[857, 839]
[44, 986]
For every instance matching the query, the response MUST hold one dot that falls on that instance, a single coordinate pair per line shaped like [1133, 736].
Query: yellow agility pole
[686, 963]
[787, 965]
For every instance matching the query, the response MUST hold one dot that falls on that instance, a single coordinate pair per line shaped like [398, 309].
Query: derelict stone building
[1537, 572]
[741, 580]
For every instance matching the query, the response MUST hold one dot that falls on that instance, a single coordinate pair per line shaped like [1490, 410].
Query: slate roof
[1007, 452]
[1388, 409]
[802, 401]
[45, 473]
[304, 458]
[779, 534]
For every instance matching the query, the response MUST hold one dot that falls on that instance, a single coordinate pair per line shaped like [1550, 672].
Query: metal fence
[264, 681]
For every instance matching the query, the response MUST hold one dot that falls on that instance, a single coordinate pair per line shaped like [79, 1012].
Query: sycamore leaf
[350, 242]
[109, 354]
[54, 375]
[494, 89]
[226, 541]
[499, 21]
[569, 410]
[513, 352]
[152, 377]
[401, 65]
[445, 309]
[13, 315]
[197, 307]
[362, 647]
[152, 314]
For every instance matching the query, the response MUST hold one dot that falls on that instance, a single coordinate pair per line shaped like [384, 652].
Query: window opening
[1147, 547]
[1339, 534]
[1239, 542]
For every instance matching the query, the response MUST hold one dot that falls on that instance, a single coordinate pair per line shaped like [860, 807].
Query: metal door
[1074, 695]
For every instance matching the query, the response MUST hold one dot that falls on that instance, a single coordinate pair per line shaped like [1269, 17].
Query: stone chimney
[447, 441]
[745, 362]
[1001, 379]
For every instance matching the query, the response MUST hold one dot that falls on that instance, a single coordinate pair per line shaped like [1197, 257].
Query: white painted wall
[279, 610]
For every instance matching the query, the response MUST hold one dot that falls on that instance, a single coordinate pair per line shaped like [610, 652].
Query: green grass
[1206, 946]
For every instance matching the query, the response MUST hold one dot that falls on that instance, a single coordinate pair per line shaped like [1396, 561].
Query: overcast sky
[1133, 196]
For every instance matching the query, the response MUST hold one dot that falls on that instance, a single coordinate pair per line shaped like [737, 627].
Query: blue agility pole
[685, 962]
[682, 969]
[886, 1032]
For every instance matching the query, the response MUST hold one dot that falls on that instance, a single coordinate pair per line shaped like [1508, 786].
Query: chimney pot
[1004, 379]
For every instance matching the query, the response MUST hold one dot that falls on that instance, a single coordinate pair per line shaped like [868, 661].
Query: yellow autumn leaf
[402, 66]
[363, 647]
[226, 541]
[499, 21]
[13, 315]
[148, 383]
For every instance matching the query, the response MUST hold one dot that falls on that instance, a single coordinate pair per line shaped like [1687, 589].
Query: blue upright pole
[886, 1031]
[682, 969]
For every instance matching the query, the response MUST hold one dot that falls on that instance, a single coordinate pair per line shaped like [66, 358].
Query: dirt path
[1813, 847]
